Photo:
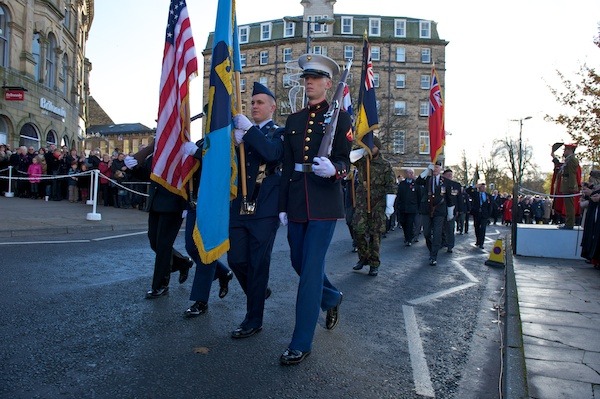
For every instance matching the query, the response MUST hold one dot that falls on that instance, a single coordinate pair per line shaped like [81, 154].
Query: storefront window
[29, 136]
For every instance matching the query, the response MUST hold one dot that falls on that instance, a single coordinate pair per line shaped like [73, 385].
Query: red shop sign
[14, 95]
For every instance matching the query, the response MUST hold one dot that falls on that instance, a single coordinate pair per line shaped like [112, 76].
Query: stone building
[44, 71]
[403, 51]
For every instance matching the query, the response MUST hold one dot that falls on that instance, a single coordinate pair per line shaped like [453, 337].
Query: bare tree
[507, 149]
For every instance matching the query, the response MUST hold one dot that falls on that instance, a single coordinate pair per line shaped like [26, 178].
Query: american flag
[170, 167]
[437, 134]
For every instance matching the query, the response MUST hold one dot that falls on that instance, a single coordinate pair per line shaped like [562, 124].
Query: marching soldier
[407, 205]
[253, 224]
[311, 201]
[369, 225]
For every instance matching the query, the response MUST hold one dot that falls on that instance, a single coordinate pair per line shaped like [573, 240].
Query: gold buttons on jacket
[309, 131]
[312, 114]
[306, 157]
[307, 139]
[305, 148]
[311, 122]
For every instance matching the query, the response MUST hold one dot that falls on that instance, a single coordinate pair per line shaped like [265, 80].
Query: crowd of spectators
[57, 174]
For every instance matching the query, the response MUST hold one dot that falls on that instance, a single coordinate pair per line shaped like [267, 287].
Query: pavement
[552, 308]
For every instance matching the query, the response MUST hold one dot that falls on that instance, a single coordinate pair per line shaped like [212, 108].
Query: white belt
[303, 167]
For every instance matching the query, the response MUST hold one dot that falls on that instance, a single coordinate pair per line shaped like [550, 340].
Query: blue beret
[261, 89]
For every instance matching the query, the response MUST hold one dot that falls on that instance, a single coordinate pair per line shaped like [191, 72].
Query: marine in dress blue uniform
[252, 235]
[310, 202]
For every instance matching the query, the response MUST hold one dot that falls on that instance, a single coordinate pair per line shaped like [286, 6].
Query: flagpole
[368, 184]
[238, 104]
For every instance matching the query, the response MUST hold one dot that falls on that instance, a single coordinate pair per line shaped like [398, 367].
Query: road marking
[41, 242]
[119, 236]
[421, 376]
[465, 272]
[440, 294]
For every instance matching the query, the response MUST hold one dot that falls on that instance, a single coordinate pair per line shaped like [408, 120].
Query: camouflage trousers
[368, 246]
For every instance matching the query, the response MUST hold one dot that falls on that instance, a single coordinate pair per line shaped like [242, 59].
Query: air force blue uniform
[252, 236]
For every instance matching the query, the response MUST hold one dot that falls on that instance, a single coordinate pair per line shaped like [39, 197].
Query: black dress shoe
[292, 356]
[157, 293]
[373, 271]
[196, 309]
[241, 332]
[184, 268]
[224, 284]
[359, 265]
[332, 319]
[432, 262]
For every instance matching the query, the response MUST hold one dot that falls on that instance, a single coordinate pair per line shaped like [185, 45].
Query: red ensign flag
[437, 135]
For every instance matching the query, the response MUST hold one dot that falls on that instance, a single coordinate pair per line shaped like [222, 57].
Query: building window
[287, 82]
[35, 52]
[318, 28]
[264, 57]
[423, 142]
[400, 54]
[263, 80]
[242, 85]
[374, 26]
[347, 23]
[426, 55]
[51, 138]
[348, 52]
[3, 131]
[399, 142]
[399, 107]
[4, 37]
[287, 54]
[376, 79]
[29, 136]
[289, 29]
[320, 50]
[425, 79]
[400, 28]
[265, 31]
[243, 59]
[424, 108]
[50, 78]
[425, 29]
[375, 53]
[400, 81]
[244, 34]
[64, 75]
[67, 20]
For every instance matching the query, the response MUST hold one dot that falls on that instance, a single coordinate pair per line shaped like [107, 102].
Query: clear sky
[500, 60]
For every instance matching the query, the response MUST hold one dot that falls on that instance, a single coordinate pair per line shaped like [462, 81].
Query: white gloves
[424, 173]
[189, 148]
[323, 167]
[450, 213]
[355, 155]
[283, 218]
[130, 162]
[389, 204]
[241, 122]
[238, 134]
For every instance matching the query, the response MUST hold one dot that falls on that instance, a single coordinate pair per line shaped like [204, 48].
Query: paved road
[75, 325]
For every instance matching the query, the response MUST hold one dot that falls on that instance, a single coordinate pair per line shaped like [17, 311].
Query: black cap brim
[315, 73]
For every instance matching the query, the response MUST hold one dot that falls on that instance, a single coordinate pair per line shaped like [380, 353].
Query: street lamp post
[517, 186]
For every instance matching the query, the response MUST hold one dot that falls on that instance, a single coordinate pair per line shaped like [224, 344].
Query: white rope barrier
[550, 195]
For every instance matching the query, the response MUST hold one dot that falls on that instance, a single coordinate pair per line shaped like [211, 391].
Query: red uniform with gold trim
[304, 195]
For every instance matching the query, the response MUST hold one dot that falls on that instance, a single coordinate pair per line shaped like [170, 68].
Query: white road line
[42, 242]
[119, 236]
[465, 272]
[440, 294]
[421, 376]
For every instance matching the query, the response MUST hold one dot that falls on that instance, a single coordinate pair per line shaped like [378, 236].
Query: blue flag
[219, 169]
